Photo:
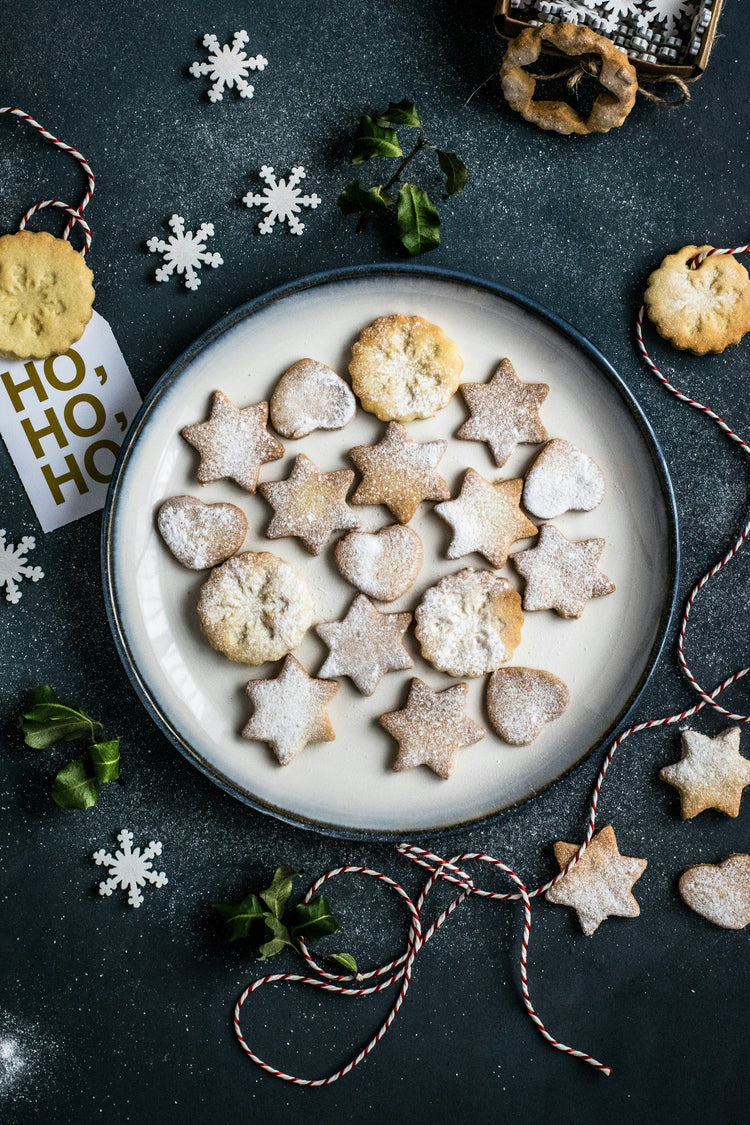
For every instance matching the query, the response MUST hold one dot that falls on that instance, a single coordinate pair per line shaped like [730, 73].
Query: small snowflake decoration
[130, 868]
[668, 10]
[281, 201]
[228, 66]
[184, 252]
[14, 567]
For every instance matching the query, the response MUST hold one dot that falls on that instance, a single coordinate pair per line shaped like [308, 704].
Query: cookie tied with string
[702, 308]
[46, 295]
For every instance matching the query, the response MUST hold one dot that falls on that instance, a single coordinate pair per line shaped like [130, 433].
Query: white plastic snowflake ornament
[184, 252]
[281, 201]
[228, 66]
[14, 567]
[130, 869]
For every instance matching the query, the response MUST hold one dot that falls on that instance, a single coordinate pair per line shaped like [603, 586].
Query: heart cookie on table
[720, 892]
[201, 535]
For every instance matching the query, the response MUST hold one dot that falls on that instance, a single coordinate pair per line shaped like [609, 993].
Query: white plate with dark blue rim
[347, 787]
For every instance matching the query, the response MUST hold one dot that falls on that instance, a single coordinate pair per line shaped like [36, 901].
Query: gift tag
[63, 420]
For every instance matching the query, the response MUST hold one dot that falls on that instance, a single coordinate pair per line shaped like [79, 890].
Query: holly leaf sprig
[416, 217]
[48, 720]
[265, 920]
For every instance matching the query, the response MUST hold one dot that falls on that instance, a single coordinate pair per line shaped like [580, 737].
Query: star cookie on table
[310, 504]
[486, 517]
[504, 412]
[560, 574]
[720, 892]
[290, 711]
[233, 443]
[432, 728]
[365, 645]
[711, 773]
[399, 472]
[600, 883]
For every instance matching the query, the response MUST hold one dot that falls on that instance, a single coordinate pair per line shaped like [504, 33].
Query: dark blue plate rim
[257, 304]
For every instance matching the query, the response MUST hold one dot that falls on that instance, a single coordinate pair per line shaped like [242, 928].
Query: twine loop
[590, 66]
[75, 213]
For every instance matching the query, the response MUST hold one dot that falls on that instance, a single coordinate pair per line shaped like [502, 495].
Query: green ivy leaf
[105, 757]
[418, 221]
[277, 895]
[372, 140]
[313, 920]
[243, 918]
[355, 198]
[346, 960]
[76, 786]
[455, 171]
[401, 113]
[278, 940]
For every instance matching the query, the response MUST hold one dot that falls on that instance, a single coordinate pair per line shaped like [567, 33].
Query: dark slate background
[123, 1015]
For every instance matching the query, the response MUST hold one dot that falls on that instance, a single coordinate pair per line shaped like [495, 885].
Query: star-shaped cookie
[310, 504]
[234, 442]
[399, 472]
[504, 411]
[290, 710]
[486, 518]
[560, 574]
[432, 728]
[365, 645]
[600, 883]
[711, 773]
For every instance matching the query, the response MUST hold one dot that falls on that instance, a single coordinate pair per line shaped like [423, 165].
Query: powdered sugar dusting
[383, 564]
[201, 535]
[311, 396]
[721, 893]
[521, 700]
[562, 479]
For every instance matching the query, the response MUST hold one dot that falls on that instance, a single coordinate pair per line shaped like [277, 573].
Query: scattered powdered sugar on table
[24, 1055]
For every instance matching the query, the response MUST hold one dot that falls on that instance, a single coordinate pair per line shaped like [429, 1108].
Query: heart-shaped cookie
[383, 564]
[521, 700]
[720, 892]
[201, 535]
[562, 479]
[310, 396]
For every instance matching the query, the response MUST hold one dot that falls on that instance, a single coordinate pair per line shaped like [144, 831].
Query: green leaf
[313, 920]
[346, 960]
[46, 720]
[277, 895]
[242, 918]
[418, 221]
[105, 757]
[43, 693]
[455, 171]
[400, 113]
[279, 938]
[76, 786]
[372, 140]
[355, 198]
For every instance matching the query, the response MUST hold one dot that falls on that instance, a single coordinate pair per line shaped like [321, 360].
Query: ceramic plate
[347, 787]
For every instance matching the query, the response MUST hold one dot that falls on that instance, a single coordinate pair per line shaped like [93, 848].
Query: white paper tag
[63, 420]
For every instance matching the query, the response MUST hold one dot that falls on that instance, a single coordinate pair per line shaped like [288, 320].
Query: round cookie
[404, 368]
[45, 295]
[201, 535]
[310, 396]
[254, 608]
[469, 623]
[383, 564]
[703, 309]
[521, 700]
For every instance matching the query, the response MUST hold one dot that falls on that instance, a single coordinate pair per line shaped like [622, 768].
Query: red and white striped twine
[75, 214]
[401, 967]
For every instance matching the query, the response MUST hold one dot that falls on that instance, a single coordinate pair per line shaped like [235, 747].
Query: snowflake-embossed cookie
[233, 443]
[290, 711]
[562, 479]
[365, 645]
[201, 535]
[310, 504]
[469, 623]
[521, 701]
[504, 412]
[560, 574]
[432, 728]
[383, 564]
[46, 295]
[399, 472]
[702, 309]
[310, 396]
[254, 608]
[403, 368]
[486, 517]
